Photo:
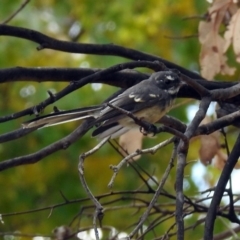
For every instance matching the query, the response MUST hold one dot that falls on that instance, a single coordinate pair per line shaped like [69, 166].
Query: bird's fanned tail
[62, 117]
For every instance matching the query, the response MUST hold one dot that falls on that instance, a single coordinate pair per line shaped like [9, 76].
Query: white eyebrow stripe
[152, 95]
[169, 77]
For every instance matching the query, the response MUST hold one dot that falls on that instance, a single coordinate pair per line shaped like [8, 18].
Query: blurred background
[163, 28]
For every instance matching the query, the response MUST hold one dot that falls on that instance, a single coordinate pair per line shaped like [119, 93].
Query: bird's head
[169, 81]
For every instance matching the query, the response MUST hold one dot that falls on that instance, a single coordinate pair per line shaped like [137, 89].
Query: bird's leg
[147, 128]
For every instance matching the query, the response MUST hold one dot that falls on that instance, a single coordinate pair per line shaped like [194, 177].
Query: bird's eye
[167, 82]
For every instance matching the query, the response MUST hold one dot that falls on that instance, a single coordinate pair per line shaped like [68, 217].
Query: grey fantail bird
[148, 100]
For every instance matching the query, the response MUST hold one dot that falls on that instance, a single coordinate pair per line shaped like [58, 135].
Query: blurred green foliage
[148, 26]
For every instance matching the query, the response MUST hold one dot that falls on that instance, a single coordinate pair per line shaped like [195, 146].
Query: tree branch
[220, 188]
[61, 144]
[16, 12]
[47, 42]
[78, 84]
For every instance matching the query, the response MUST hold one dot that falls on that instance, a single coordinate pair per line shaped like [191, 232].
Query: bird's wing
[136, 98]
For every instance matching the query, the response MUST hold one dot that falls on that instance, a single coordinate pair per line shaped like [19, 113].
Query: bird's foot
[148, 129]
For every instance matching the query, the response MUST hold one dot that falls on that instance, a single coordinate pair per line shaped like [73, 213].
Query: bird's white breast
[151, 115]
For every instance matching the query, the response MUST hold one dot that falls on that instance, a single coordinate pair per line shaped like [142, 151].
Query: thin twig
[99, 209]
[181, 37]
[136, 153]
[226, 234]
[9, 18]
[157, 193]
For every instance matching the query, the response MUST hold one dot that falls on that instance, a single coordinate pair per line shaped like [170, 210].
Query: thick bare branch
[78, 84]
[45, 41]
[220, 188]
[35, 157]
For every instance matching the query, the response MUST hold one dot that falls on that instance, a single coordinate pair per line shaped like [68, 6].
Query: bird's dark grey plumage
[148, 100]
